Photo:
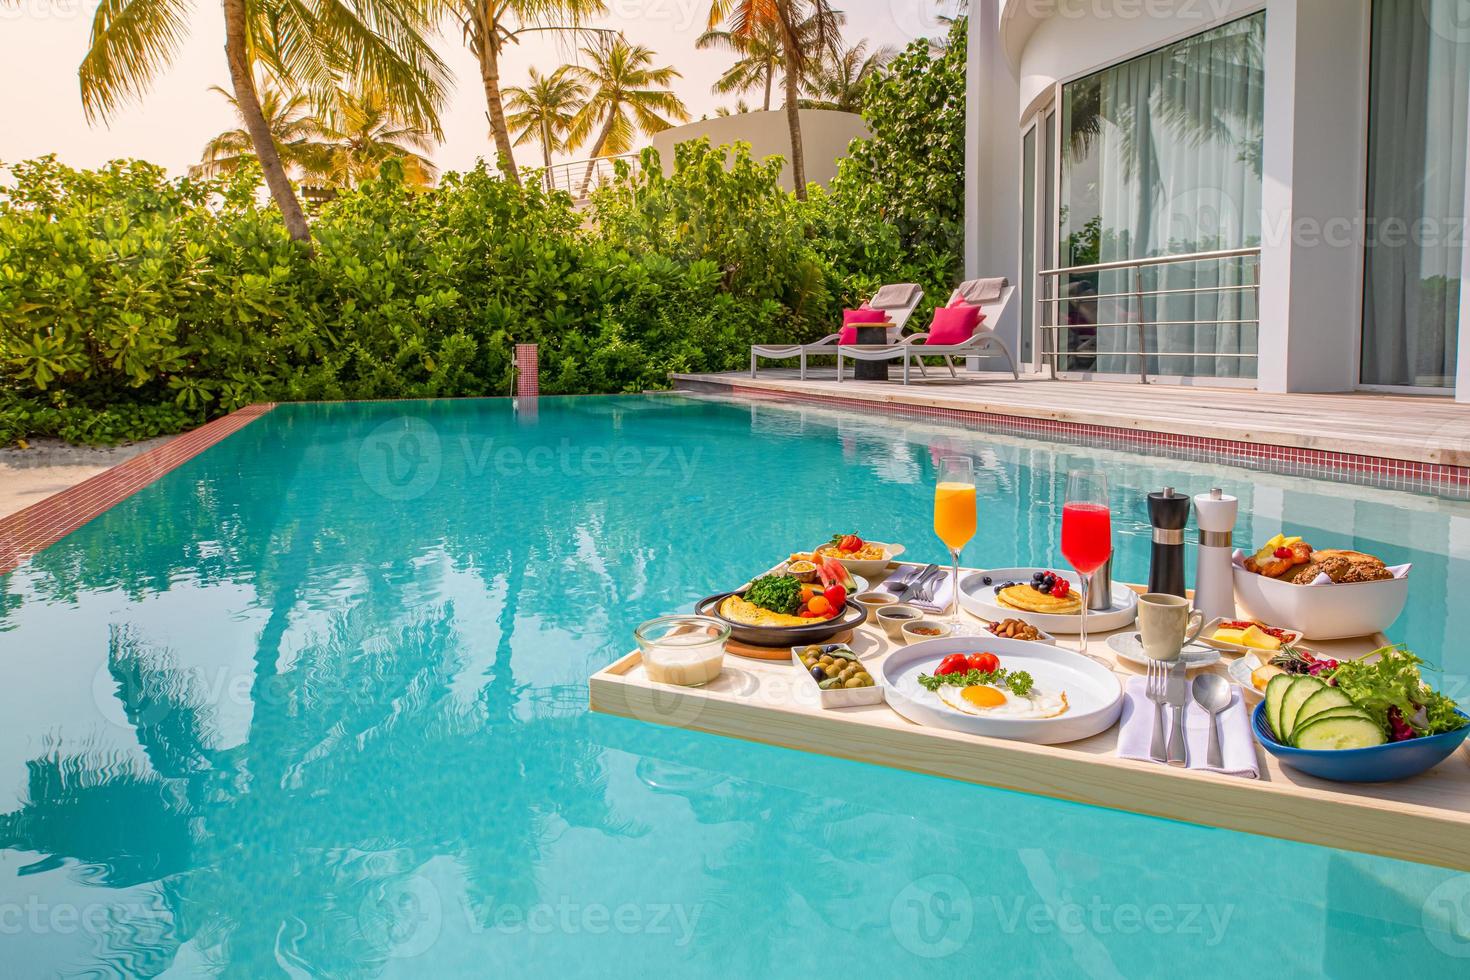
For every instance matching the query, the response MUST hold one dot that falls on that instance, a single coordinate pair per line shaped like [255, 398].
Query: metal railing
[580, 177]
[1071, 306]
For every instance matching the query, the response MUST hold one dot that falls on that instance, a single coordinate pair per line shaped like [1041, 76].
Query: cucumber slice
[1351, 711]
[1339, 733]
[1301, 688]
[1328, 697]
[1275, 691]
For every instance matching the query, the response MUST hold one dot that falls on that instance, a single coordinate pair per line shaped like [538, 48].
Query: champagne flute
[1087, 530]
[954, 520]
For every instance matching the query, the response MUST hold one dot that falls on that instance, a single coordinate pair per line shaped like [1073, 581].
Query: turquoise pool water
[315, 704]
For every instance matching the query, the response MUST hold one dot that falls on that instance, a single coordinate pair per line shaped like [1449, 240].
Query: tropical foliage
[133, 305]
[319, 45]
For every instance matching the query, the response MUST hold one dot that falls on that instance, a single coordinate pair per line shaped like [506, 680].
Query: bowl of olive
[836, 675]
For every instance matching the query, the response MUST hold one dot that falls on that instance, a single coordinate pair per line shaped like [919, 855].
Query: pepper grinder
[1214, 580]
[1168, 512]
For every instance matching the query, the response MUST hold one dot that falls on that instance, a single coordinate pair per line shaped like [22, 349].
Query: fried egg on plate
[997, 702]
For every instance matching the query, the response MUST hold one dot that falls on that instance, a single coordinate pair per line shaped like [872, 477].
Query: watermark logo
[1450, 19]
[1445, 917]
[933, 916]
[401, 459]
[925, 18]
[401, 917]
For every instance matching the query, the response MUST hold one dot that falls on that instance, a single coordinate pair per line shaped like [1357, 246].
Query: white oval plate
[1094, 693]
[1206, 636]
[1129, 647]
[1239, 672]
[979, 599]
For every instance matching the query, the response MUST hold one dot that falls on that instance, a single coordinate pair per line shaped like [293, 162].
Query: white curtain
[1164, 159]
[1416, 191]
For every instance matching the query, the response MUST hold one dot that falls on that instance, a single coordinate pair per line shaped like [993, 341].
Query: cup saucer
[1129, 646]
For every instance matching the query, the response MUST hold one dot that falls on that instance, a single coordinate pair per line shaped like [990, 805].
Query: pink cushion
[959, 300]
[954, 325]
[852, 318]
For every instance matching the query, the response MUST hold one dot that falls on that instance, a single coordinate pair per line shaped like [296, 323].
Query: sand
[50, 466]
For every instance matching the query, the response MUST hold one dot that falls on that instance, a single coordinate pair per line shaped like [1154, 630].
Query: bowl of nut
[1019, 629]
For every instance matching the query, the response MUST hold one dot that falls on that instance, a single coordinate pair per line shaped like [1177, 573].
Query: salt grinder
[1214, 580]
[1168, 512]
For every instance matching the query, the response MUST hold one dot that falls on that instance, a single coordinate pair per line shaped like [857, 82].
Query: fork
[925, 592]
[1155, 689]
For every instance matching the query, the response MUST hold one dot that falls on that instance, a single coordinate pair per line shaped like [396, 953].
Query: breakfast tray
[1425, 819]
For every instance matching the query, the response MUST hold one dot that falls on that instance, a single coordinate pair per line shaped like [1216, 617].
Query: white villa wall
[825, 136]
[1316, 66]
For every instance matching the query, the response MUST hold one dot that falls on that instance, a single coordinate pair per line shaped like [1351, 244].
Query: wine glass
[1087, 530]
[954, 520]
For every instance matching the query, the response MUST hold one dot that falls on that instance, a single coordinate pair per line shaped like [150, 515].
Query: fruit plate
[1291, 638]
[820, 631]
[979, 598]
[1094, 693]
[1378, 764]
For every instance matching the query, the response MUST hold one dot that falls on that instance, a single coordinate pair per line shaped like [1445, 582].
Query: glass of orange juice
[954, 519]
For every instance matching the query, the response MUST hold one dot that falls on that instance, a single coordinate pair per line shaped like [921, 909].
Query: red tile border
[45, 522]
[1436, 479]
[528, 371]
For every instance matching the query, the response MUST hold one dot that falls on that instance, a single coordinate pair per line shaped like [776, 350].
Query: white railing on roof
[580, 177]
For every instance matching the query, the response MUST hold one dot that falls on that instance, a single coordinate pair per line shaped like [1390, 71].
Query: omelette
[1028, 599]
[737, 610]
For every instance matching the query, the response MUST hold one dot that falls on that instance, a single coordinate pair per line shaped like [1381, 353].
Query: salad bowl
[1376, 764]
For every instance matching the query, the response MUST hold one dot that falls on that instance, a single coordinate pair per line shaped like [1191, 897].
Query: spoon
[1212, 692]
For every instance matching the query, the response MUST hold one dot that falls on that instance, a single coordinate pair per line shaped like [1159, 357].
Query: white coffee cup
[1166, 623]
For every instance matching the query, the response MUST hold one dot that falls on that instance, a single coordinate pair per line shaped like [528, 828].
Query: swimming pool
[315, 703]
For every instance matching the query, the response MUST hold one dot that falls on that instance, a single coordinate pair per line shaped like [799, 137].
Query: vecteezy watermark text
[1103, 918]
[584, 461]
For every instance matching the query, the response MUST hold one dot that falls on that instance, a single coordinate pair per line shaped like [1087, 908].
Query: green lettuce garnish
[1389, 679]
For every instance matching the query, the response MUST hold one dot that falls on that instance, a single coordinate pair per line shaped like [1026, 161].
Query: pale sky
[42, 43]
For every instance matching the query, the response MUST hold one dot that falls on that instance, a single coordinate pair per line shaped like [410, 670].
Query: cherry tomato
[955, 663]
[987, 663]
[819, 605]
[836, 595]
[808, 614]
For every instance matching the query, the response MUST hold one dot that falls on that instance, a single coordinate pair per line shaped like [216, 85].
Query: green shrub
[134, 305]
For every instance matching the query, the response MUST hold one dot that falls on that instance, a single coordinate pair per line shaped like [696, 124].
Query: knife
[1177, 695]
[914, 582]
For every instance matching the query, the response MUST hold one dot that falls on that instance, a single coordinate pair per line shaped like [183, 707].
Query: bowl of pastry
[1326, 593]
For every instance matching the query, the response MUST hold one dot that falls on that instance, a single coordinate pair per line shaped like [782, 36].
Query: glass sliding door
[1038, 224]
[1419, 96]
[1161, 155]
[1029, 258]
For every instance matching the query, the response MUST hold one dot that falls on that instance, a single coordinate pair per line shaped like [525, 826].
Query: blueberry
[1039, 576]
[988, 580]
[999, 589]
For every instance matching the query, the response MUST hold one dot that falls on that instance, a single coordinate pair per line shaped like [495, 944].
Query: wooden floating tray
[1425, 819]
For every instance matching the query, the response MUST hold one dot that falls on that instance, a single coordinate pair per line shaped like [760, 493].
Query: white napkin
[942, 586]
[1397, 571]
[1237, 744]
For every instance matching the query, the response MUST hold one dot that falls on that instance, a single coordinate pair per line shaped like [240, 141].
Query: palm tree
[295, 132]
[543, 112]
[317, 44]
[804, 27]
[490, 26]
[839, 82]
[370, 132]
[628, 97]
[760, 55]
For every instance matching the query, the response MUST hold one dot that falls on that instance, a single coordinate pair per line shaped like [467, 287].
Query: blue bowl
[1379, 764]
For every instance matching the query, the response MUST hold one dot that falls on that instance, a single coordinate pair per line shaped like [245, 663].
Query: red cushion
[954, 324]
[852, 318]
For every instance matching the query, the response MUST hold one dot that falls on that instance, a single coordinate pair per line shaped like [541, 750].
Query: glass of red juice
[1087, 530]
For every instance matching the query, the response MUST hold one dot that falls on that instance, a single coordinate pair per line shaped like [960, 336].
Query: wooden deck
[1420, 429]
